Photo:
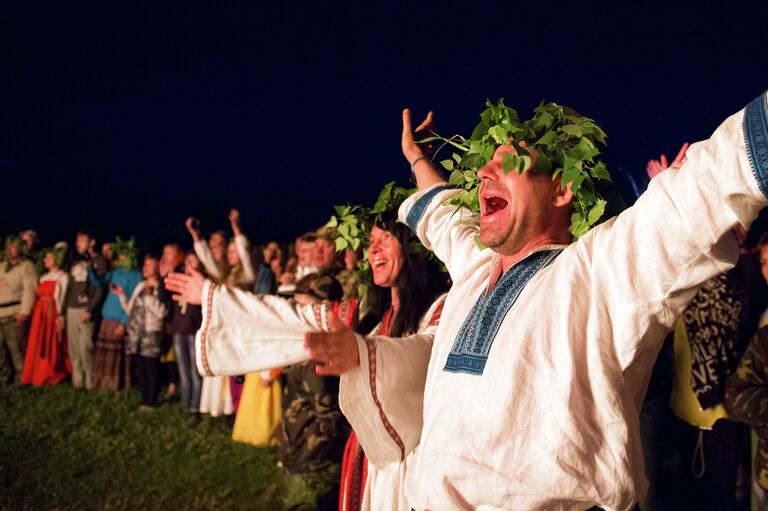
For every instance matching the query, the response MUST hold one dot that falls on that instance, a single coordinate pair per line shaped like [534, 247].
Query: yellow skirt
[259, 412]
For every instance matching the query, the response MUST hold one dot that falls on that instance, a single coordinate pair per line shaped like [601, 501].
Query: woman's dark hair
[420, 281]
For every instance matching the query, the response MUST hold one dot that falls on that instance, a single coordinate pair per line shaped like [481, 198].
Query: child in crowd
[147, 311]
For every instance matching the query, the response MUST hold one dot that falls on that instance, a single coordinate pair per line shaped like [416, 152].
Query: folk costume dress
[536, 376]
[364, 485]
[45, 362]
[215, 397]
[258, 416]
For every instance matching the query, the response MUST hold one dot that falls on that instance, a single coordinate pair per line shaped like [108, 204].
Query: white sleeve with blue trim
[649, 261]
[447, 232]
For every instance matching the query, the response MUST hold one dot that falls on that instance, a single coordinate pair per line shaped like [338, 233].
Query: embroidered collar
[495, 270]
[472, 346]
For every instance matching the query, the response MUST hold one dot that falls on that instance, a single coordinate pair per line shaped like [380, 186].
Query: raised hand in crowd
[234, 220]
[655, 167]
[193, 226]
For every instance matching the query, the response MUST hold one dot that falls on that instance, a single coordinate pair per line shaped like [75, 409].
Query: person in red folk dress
[45, 362]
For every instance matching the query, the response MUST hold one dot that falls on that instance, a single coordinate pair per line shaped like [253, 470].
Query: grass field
[63, 449]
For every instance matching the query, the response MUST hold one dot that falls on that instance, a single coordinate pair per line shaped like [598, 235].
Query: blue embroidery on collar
[756, 138]
[473, 342]
[417, 211]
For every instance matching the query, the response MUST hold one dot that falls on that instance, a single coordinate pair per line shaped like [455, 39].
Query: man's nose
[487, 172]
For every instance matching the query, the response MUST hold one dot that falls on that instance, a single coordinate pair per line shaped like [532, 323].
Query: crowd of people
[101, 318]
[353, 385]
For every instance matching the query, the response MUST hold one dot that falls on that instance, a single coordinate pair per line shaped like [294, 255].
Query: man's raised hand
[336, 351]
[417, 154]
[412, 150]
[187, 288]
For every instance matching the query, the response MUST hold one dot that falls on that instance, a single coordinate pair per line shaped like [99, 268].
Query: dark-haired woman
[401, 308]
[244, 333]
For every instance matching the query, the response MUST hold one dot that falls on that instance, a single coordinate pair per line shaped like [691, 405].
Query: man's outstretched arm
[646, 264]
[242, 332]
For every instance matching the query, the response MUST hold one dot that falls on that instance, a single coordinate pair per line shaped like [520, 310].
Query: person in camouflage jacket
[311, 438]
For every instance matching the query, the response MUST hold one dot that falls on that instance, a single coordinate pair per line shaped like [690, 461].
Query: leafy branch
[554, 140]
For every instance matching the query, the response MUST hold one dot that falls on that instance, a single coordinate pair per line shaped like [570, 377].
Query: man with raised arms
[543, 355]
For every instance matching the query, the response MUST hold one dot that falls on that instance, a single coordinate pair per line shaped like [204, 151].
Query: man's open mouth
[493, 205]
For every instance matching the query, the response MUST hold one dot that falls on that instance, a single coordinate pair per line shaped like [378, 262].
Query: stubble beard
[499, 239]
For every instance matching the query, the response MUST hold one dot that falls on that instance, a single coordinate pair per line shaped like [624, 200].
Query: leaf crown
[565, 145]
[59, 254]
[126, 248]
[353, 224]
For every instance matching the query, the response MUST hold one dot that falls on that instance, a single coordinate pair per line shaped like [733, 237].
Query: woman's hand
[187, 288]
[335, 351]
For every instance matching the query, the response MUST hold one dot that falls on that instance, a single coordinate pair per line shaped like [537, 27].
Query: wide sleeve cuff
[243, 333]
[360, 403]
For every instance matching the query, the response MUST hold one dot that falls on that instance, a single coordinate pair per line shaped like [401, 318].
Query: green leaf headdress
[565, 145]
[59, 252]
[353, 225]
[14, 238]
[126, 248]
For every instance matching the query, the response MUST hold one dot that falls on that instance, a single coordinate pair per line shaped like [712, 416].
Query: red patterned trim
[347, 312]
[435, 319]
[372, 378]
[204, 333]
[318, 310]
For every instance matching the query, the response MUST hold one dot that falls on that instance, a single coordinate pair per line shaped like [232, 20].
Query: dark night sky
[126, 118]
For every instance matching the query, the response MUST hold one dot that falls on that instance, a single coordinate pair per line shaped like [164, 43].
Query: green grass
[63, 449]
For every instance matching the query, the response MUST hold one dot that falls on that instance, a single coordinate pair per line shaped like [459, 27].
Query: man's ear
[562, 196]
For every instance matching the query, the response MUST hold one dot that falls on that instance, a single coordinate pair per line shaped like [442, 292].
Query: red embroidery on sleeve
[435, 319]
[383, 329]
[204, 333]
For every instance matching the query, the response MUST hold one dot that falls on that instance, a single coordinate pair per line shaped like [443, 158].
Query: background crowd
[98, 315]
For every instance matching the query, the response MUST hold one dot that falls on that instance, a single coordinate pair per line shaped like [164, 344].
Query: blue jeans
[190, 379]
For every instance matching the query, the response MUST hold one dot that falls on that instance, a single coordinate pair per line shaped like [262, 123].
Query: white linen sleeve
[449, 233]
[29, 285]
[383, 397]
[647, 263]
[62, 281]
[244, 251]
[205, 255]
[243, 333]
